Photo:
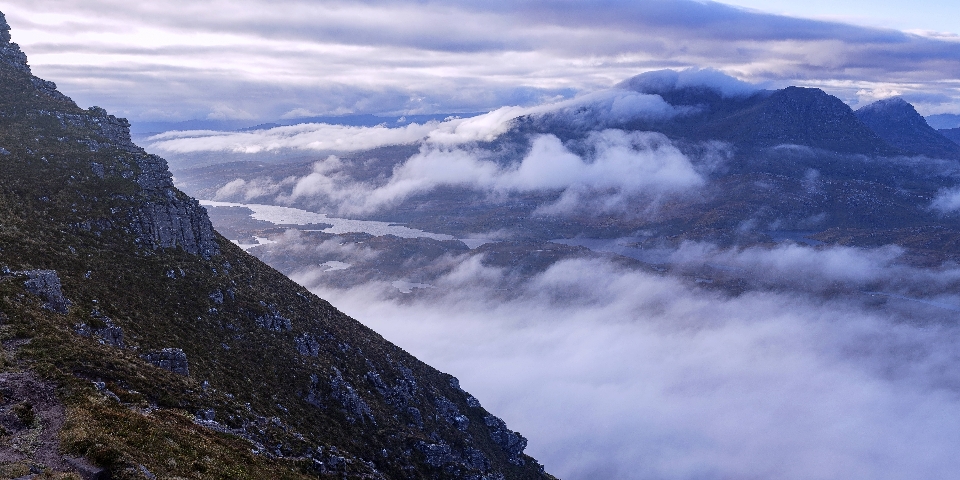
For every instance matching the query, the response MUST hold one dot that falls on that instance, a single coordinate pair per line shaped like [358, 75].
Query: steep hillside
[139, 343]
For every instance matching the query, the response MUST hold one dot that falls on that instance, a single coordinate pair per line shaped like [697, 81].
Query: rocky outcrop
[165, 217]
[307, 345]
[354, 407]
[172, 359]
[451, 414]
[273, 320]
[10, 52]
[460, 463]
[162, 217]
[46, 285]
[511, 442]
[103, 329]
[344, 393]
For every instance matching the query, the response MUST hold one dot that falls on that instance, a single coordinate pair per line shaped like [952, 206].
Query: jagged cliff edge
[164, 217]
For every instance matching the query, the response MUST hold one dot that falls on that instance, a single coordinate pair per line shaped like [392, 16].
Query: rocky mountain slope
[749, 120]
[139, 343]
[899, 124]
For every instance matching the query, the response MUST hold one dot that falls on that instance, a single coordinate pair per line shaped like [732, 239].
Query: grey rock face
[161, 216]
[98, 169]
[170, 224]
[449, 412]
[46, 285]
[511, 442]
[167, 218]
[400, 396]
[10, 52]
[437, 454]
[475, 459]
[172, 359]
[459, 464]
[472, 401]
[216, 297]
[272, 320]
[107, 332]
[347, 396]
[307, 345]
[415, 415]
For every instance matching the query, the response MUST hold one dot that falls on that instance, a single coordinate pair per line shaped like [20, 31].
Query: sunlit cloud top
[259, 60]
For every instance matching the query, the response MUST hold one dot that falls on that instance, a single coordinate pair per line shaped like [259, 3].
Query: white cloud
[622, 166]
[362, 57]
[947, 200]
[667, 80]
[307, 136]
[620, 374]
[596, 110]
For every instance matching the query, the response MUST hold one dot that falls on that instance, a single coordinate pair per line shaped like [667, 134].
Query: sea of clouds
[622, 165]
[837, 363]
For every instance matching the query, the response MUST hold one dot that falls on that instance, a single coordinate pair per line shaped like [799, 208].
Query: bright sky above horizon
[918, 15]
[260, 60]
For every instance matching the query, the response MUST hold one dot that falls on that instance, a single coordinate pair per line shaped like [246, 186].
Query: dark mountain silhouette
[797, 116]
[139, 343]
[899, 124]
[747, 119]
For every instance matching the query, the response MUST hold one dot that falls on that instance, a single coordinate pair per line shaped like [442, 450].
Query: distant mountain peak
[898, 123]
[802, 116]
[893, 106]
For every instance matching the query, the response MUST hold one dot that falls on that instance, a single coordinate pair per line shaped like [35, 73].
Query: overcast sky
[261, 60]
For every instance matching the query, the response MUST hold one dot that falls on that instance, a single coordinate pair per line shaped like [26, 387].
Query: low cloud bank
[620, 374]
[947, 201]
[307, 136]
[661, 81]
[620, 166]
[596, 110]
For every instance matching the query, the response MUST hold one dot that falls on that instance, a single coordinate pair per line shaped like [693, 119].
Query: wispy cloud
[592, 111]
[182, 59]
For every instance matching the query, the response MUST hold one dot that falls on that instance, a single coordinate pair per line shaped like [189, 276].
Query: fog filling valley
[702, 361]
[618, 373]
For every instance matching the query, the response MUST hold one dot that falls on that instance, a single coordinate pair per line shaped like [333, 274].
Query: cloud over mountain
[196, 60]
